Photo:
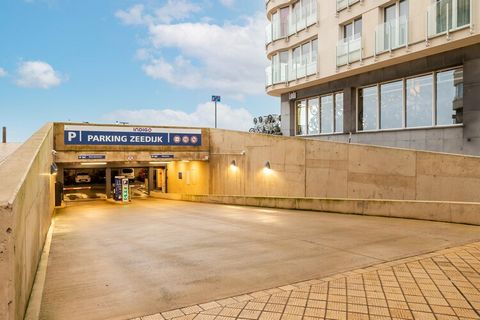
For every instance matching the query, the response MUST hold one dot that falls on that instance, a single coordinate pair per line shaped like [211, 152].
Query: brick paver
[440, 285]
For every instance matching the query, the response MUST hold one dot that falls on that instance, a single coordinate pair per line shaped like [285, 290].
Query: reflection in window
[367, 108]
[419, 101]
[284, 16]
[313, 116]
[450, 97]
[301, 117]
[339, 112]
[326, 114]
[391, 107]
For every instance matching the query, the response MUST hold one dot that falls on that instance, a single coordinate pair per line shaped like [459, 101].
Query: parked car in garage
[128, 173]
[83, 178]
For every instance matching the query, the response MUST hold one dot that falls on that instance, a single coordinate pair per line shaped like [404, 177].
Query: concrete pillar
[471, 107]
[60, 175]
[349, 110]
[288, 116]
[151, 171]
[4, 135]
[108, 182]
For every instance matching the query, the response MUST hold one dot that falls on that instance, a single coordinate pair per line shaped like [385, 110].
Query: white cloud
[172, 10]
[228, 58]
[132, 16]
[203, 116]
[228, 3]
[37, 74]
[3, 73]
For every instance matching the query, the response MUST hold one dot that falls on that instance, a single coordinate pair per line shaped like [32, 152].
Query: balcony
[342, 4]
[349, 50]
[283, 72]
[391, 35]
[445, 16]
[296, 22]
[301, 70]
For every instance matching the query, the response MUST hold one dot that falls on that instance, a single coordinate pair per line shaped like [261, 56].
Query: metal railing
[391, 35]
[445, 16]
[349, 50]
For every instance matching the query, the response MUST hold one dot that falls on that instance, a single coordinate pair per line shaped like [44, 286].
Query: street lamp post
[216, 99]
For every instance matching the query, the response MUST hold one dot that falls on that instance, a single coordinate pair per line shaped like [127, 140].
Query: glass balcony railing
[349, 50]
[268, 33]
[391, 35]
[447, 15]
[342, 4]
[268, 76]
[295, 23]
[282, 73]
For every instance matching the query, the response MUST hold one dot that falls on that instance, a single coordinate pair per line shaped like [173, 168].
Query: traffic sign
[216, 98]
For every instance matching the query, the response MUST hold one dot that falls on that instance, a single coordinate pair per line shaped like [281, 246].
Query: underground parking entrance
[91, 160]
[94, 181]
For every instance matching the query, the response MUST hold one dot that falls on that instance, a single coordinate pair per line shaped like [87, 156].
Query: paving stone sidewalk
[440, 285]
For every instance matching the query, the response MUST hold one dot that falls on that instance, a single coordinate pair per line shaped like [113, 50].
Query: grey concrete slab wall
[448, 139]
[471, 111]
[288, 116]
[26, 208]
[322, 169]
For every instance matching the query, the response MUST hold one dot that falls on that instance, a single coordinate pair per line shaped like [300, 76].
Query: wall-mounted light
[53, 169]
[186, 161]
[160, 162]
[233, 165]
[267, 168]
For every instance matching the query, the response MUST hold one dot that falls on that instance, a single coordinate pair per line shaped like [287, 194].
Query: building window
[415, 102]
[339, 112]
[419, 96]
[320, 115]
[326, 114]
[284, 17]
[301, 117]
[391, 105]
[448, 15]
[450, 97]
[353, 30]
[349, 48]
[313, 111]
[367, 108]
[304, 60]
[392, 33]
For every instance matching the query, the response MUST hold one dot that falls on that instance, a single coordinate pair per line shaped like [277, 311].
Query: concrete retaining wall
[323, 169]
[454, 212]
[26, 208]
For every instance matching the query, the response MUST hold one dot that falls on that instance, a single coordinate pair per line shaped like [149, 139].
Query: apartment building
[401, 73]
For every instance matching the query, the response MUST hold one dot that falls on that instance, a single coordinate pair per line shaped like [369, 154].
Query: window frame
[404, 79]
[319, 97]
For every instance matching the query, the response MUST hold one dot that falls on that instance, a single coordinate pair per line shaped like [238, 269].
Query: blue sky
[144, 61]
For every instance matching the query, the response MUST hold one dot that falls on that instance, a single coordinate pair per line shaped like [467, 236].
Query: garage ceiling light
[93, 163]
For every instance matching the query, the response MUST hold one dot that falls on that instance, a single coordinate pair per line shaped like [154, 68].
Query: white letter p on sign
[71, 135]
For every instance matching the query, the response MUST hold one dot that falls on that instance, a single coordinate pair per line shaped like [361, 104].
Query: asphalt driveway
[110, 261]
